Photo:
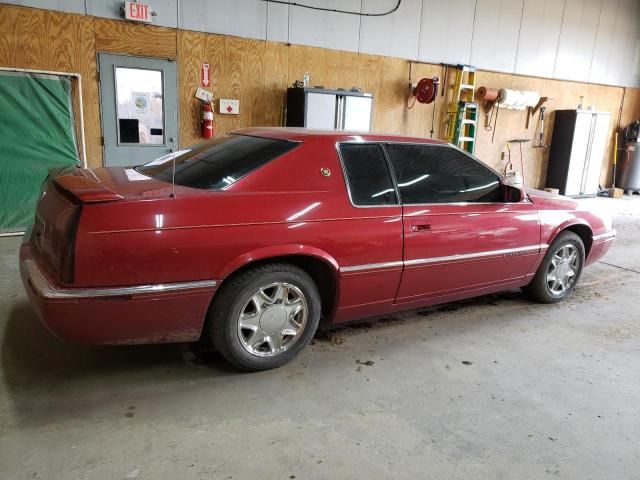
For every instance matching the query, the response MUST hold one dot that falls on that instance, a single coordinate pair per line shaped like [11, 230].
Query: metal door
[138, 104]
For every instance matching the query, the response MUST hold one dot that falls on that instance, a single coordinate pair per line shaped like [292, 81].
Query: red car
[267, 230]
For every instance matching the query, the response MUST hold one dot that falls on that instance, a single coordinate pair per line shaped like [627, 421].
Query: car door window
[441, 174]
[367, 174]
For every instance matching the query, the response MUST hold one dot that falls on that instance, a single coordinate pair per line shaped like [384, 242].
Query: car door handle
[420, 226]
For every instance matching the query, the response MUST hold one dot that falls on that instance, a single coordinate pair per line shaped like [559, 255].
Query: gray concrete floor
[495, 387]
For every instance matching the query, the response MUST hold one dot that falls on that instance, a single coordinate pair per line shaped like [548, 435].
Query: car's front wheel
[264, 316]
[559, 271]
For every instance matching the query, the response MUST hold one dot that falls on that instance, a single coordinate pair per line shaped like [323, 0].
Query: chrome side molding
[507, 252]
[371, 266]
[610, 235]
[44, 288]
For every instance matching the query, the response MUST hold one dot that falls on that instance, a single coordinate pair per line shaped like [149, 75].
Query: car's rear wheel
[264, 316]
[559, 271]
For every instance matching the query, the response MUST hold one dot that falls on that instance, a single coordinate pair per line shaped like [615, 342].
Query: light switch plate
[229, 107]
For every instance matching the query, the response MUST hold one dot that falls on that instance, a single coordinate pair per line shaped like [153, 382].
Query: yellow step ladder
[462, 116]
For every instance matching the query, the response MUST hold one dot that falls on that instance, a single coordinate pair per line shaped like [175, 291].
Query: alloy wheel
[272, 319]
[563, 269]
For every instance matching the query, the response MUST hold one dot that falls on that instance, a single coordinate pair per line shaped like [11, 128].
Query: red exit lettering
[138, 11]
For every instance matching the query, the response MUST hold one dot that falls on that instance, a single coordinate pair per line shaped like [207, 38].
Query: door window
[441, 174]
[368, 178]
[140, 106]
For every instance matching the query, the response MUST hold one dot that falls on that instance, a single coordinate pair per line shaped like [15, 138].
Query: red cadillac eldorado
[255, 237]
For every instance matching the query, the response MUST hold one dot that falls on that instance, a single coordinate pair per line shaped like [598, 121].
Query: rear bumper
[155, 313]
[600, 246]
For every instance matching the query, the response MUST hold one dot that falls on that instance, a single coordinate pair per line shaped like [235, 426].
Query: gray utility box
[628, 167]
[329, 109]
[577, 151]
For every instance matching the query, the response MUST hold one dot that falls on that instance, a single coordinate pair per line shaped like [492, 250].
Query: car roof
[302, 134]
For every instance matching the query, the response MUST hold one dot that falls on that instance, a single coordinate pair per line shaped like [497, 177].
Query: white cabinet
[320, 111]
[329, 109]
[357, 113]
[577, 151]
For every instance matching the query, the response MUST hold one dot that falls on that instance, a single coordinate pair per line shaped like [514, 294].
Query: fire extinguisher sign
[205, 75]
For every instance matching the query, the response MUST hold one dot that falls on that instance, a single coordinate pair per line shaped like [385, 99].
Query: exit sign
[137, 12]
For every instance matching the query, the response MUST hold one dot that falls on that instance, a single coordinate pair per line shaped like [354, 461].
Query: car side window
[441, 174]
[367, 174]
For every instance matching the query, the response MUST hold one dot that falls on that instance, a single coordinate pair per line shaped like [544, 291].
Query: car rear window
[219, 163]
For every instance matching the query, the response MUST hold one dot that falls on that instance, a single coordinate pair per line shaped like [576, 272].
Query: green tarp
[36, 133]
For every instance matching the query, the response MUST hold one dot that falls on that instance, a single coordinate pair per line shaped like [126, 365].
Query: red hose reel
[426, 90]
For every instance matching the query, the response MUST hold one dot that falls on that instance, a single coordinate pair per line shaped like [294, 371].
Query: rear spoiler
[84, 188]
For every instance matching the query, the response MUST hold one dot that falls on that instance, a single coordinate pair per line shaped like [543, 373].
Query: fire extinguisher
[207, 121]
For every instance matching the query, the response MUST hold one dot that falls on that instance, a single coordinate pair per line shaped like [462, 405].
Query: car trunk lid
[63, 196]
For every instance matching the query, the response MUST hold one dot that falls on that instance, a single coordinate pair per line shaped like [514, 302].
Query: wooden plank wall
[630, 107]
[512, 123]
[258, 73]
[44, 40]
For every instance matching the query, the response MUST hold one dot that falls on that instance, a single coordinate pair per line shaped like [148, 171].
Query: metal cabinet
[329, 109]
[628, 171]
[577, 151]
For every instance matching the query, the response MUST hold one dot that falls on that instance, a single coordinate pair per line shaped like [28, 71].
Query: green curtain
[36, 134]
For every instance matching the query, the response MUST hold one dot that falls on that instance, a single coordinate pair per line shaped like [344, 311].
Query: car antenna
[173, 155]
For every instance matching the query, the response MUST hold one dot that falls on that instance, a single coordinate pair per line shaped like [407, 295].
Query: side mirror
[512, 194]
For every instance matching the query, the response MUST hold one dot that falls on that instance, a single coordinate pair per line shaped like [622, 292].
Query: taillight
[68, 245]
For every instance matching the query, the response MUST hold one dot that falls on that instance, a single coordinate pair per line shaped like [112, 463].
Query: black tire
[233, 297]
[539, 288]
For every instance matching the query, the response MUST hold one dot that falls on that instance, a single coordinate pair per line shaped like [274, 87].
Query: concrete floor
[496, 387]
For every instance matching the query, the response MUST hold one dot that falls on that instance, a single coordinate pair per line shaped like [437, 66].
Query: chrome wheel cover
[563, 269]
[272, 319]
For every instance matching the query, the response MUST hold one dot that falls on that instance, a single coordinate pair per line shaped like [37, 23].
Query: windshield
[217, 164]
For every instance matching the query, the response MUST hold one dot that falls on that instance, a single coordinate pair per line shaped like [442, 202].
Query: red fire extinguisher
[207, 121]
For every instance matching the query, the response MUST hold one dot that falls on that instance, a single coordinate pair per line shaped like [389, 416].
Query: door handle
[420, 226]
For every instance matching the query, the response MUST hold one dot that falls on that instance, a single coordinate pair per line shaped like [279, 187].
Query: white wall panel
[401, 29]
[577, 39]
[632, 52]
[584, 40]
[539, 37]
[447, 28]
[243, 18]
[616, 43]
[278, 22]
[608, 56]
[167, 10]
[495, 34]
[326, 29]
[71, 6]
